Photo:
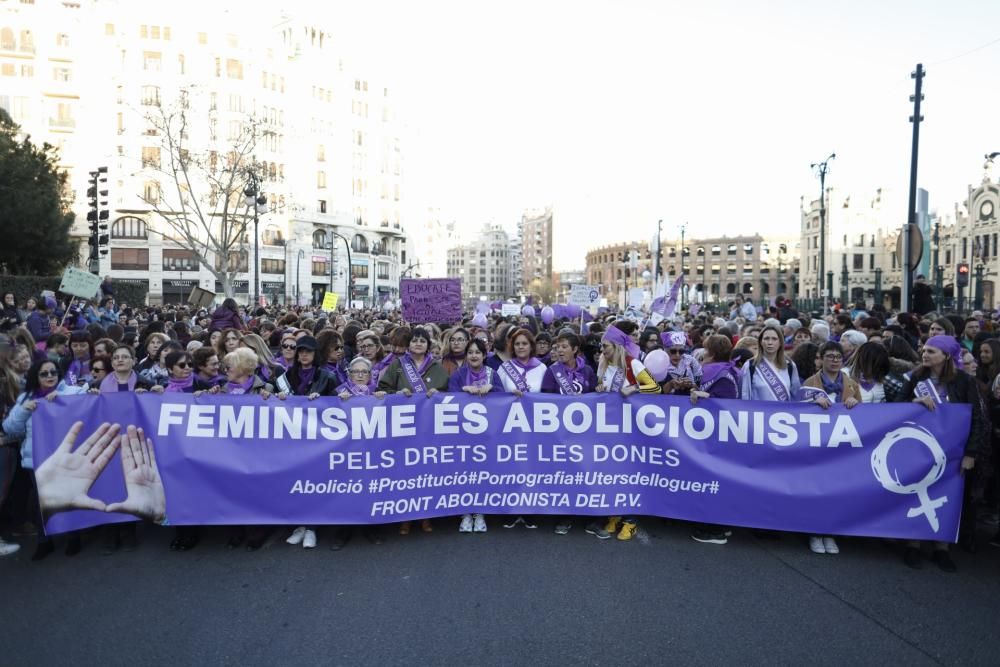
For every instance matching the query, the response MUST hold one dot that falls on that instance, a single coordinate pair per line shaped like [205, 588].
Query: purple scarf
[382, 365]
[517, 370]
[354, 389]
[480, 378]
[280, 361]
[570, 380]
[306, 376]
[238, 388]
[713, 372]
[77, 370]
[413, 374]
[619, 337]
[42, 393]
[179, 385]
[338, 371]
[110, 383]
[832, 387]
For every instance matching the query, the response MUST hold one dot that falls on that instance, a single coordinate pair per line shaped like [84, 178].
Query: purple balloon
[482, 307]
[657, 363]
[559, 310]
[548, 315]
[480, 321]
[572, 311]
[528, 311]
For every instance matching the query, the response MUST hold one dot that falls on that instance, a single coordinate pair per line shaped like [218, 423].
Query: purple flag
[664, 305]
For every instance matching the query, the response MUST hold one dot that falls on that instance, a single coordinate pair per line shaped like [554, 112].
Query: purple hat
[949, 346]
[619, 337]
[671, 338]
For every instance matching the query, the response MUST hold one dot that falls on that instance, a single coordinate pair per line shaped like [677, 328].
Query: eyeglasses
[833, 357]
[338, 348]
[96, 369]
[288, 346]
[48, 374]
[366, 346]
[361, 372]
[182, 364]
[675, 351]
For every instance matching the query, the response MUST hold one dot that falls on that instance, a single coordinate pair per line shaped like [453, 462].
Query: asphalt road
[507, 597]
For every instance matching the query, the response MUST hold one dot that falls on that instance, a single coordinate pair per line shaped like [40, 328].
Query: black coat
[962, 389]
[323, 382]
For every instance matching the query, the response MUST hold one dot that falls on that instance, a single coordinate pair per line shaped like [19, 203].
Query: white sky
[622, 113]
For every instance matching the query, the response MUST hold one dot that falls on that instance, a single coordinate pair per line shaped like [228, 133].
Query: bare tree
[198, 191]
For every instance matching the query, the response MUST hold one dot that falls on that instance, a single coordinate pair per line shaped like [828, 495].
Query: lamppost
[821, 169]
[350, 278]
[256, 200]
[298, 276]
[681, 290]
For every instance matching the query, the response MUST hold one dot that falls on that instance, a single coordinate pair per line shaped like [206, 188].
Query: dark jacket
[323, 383]
[962, 389]
[223, 318]
[38, 326]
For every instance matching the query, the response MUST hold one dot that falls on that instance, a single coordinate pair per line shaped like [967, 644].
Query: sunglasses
[97, 369]
[288, 346]
[366, 346]
[48, 374]
[338, 348]
[182, 364]
[675, 351]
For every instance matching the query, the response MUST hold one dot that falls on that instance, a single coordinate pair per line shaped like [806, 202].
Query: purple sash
[812, 393]
[715, 372]
[774, 383]
[516, 376]
[354, 389]
[413, 375]
[481, 378]
[566, 385]
[618, 380]
[110, 382]
[927, 388]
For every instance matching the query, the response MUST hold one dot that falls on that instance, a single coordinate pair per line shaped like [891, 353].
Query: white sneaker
[830, 545]
[8, 548]
[816, 544]
[466, 525]
[297, 535]
[309, 539]
[479, 524]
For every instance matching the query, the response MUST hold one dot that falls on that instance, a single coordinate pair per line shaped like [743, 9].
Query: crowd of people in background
[850, 356]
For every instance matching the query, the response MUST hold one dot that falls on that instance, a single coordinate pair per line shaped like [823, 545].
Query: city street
[506, 597]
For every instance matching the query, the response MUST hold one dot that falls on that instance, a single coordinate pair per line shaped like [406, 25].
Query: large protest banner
[886, 470]
[431, 299]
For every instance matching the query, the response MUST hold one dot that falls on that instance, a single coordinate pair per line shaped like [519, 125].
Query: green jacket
[394, 379]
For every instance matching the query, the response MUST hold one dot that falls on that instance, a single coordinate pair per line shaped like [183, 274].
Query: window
[238, 261]
[27, 71]
[319, 239]
[150, 95]
[965, 249]
[234, 68]
[151, 192]
[359, 244]
[321, 206]
[320, 153]
[151, 61]
[272, 266]
[321, 268]
[383, 271]
[181, 66]
[129, 228]
[62, 39]
[130, 259]
[203, 38]
[731, 249]
[27, 41]
[8, 69]
[109, 29]
[321, 179]
[64, 116]
[859, 262]
[150, 156]
[7, 42]
[871, 262]
[359, 271]
[272, 236]
[61, 74]
[179, 260]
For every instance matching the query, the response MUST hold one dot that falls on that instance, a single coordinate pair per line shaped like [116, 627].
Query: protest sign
[886, 470]
[508, 309]
[584, 295]
[80, 283]
[330, 301]
[431, 299]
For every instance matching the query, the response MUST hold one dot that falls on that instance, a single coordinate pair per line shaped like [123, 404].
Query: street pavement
[508, 597]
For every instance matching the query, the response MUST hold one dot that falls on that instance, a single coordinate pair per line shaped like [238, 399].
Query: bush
[24, 287]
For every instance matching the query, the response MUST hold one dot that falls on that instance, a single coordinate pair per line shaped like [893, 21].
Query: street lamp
[256, 200]
[350, 279]
[298, 276]
[821, 169]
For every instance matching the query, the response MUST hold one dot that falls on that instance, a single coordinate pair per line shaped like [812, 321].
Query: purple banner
[886, 470]
[431, 299]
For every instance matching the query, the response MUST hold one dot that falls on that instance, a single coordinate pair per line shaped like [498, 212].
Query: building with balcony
[535, 230]
[483, 266]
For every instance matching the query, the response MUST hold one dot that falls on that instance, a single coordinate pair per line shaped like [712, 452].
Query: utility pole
[916, 119]
[97, 217]
[656, 251]
[681, 290]
[821, 169]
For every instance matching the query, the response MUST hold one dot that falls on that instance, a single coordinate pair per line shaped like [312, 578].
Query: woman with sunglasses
[286, 350]
[180, 379]
[620, 371]
[330, 352]
[43, 381]
[415, 372]
[683, 370]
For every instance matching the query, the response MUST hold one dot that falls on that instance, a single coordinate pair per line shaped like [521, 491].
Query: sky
[619, 114]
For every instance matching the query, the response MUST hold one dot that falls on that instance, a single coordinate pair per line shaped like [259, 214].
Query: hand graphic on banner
[146, 499]
[65, 478]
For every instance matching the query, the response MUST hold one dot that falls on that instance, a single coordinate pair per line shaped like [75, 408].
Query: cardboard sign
[584, 295]
[330, 301]
[636, 295]
[80, 283]
[508, 309]
[431, 299]
[201, 298]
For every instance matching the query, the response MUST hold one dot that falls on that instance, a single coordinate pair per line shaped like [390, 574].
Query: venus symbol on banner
[880, 457]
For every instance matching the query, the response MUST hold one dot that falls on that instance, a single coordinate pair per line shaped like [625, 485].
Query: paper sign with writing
[431, 299]
[80, 283]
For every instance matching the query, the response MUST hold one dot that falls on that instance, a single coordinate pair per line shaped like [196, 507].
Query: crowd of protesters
[48, 348]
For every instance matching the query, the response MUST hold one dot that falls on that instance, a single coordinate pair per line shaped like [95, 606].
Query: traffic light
[963, 275]
[97, 216]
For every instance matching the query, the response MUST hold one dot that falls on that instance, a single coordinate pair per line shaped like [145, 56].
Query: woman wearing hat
[683, 371]
[304, 378]
[939, 380]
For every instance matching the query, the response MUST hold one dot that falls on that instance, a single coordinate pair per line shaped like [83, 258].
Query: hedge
[24, 287]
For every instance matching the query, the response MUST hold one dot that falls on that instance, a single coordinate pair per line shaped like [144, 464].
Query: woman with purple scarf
[939, 379]
[683, 370]
[569, 375]
[330, 352]
[474, 377]
[416, 372]
[399, 341]
[77, 371]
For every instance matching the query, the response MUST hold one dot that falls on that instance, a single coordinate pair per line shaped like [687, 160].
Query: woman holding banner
[455, 342]
[267, 371]
[286, 350]
[770, 376]
[330, 351]
[620, 371]
[569, 375]
[43, 381]
[939, 380]
[416, 372]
